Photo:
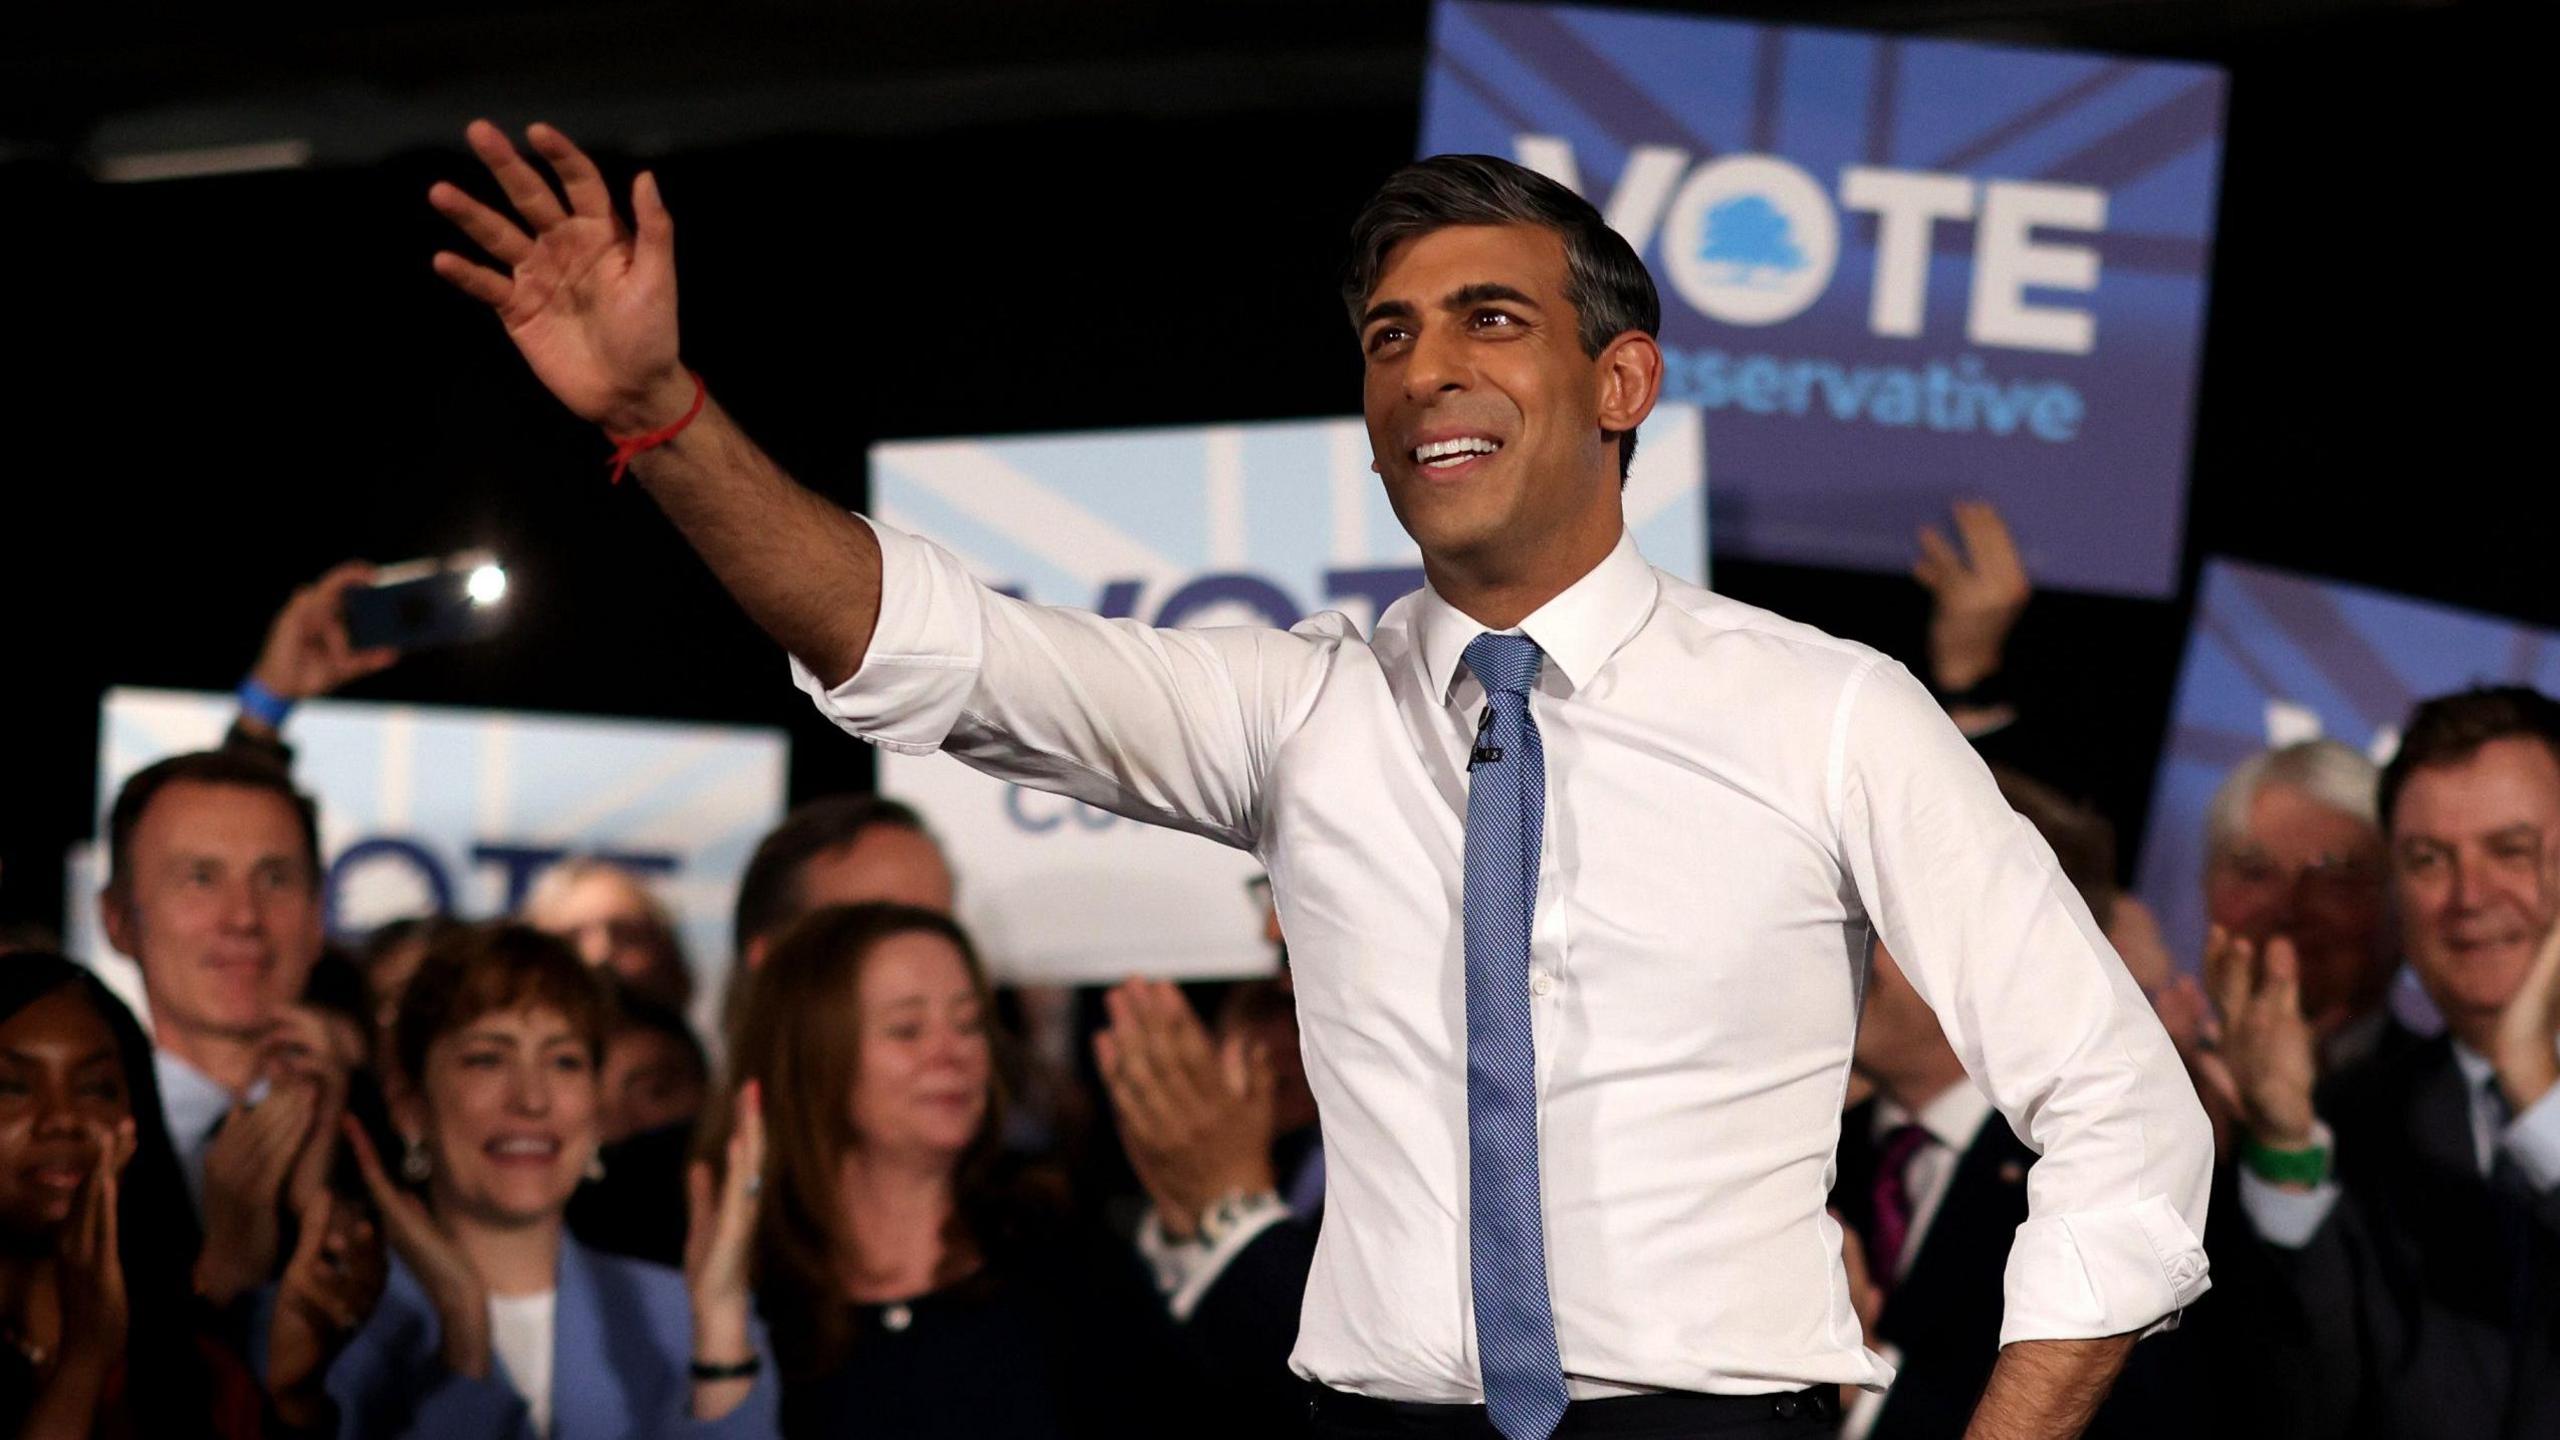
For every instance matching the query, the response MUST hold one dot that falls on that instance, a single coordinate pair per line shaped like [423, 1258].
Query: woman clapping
[494, 1322]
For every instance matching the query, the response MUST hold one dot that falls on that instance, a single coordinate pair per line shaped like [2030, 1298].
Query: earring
[595, 1166]
[414, 1165]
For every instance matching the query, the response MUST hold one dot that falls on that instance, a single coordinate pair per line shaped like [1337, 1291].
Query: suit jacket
[2408, 1314]
[620, 1346]
[1944, 1313]
[637, 1208]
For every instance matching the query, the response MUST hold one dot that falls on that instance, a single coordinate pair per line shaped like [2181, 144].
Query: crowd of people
[479, 1177]
[483, 1178]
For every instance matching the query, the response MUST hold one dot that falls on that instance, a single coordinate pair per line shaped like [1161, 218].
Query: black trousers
[1790, 1415]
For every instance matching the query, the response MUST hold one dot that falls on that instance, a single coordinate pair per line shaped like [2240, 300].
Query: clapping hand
[1976, 594]
[719, 1251]
[245, 1170]
[330, 1285]
[2266, 1042]
[94, 1307]
[2529, 1027]
[460, 1296]
[89, 1265]
[590, 302]
[1196, 1117]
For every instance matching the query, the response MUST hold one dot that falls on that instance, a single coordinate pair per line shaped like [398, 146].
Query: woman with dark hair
[97, 1238]
[495, 1322]
[916, 1283]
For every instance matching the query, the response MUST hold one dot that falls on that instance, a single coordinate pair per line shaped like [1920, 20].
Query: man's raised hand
[589, 301]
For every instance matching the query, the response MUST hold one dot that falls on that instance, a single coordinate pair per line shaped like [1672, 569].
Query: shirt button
[1540, 982]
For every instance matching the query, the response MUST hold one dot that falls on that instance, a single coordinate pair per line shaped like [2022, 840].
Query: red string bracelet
[626, 451]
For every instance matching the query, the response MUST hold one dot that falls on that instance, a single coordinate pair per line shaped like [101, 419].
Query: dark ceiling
[87, 84]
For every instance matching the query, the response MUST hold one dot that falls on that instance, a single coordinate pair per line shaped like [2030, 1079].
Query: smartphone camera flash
[488, 585]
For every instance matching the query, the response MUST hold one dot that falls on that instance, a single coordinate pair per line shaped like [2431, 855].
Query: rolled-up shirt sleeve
[1171, 727]
[1971, 902]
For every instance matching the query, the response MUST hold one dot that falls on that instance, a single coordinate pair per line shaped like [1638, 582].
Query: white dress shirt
[520, 1333]
[1733, 801]
[2290, 1218]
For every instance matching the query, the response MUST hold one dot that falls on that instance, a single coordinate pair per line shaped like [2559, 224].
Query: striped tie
[1506, 821]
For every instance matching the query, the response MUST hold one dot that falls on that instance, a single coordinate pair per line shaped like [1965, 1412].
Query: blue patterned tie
[1507, 1247]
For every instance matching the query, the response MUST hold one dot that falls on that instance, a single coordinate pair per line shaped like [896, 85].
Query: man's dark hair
[769, 895]
[2450, 729]
[2083, 841]
[233, 768]
[635, 1011]
[1610, 290]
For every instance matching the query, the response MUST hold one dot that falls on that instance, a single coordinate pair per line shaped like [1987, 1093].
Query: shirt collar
[189, 1098]
[1952, 1119]
[1579, 629]
[2476, 1067]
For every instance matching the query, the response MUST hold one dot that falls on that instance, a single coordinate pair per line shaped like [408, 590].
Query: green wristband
[2306, 1166]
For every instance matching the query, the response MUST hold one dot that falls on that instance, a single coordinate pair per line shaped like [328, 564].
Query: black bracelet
[746, 1369]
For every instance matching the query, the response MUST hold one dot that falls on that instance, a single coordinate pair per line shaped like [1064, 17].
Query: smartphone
[436, 601]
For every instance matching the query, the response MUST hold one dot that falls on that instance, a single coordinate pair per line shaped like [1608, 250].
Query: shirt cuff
[2095, 1273]
[2286, 1219]
[1184, 1271]
[2534, 1140]
[926, 649]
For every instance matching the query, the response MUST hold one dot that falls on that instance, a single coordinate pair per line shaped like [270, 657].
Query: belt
[1666, 1413]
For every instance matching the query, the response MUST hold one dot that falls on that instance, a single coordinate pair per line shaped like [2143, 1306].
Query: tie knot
[1902, 1144]
[1504, 664]
[2499, 1105]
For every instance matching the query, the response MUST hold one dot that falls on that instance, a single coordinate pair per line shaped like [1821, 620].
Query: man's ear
[115, 915]
[1630, 380]
[757, 949]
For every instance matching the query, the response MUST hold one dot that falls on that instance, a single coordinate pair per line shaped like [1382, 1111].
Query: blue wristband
[263, 705]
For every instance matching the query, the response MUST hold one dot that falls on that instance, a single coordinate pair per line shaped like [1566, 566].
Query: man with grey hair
[2293, 848]
[1578, 861]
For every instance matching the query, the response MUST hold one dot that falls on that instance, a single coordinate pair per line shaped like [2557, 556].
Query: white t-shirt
[520, 1332]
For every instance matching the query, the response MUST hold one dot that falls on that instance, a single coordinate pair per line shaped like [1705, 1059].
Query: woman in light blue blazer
[493, 1321]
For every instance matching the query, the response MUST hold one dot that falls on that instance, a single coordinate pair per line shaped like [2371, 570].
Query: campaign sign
[426, 809]
[1894, 272]
[2274, 658]
[1223, 525]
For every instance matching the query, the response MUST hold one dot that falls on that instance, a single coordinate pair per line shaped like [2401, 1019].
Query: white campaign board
[427, 807]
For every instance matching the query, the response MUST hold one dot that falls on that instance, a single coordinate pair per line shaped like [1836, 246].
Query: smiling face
[923, 1085]
[62, 1092]
[221, 909]
[508, 1107]
[1490, 425]
[2312, 873]
[2471, 842]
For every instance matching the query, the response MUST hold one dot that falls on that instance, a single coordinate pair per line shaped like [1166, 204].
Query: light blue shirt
[193, 1105]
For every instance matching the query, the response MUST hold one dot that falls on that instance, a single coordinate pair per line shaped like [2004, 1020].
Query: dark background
[969, 218]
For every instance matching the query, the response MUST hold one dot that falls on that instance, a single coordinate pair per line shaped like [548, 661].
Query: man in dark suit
[2408, 1211]
[1932, 1186]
